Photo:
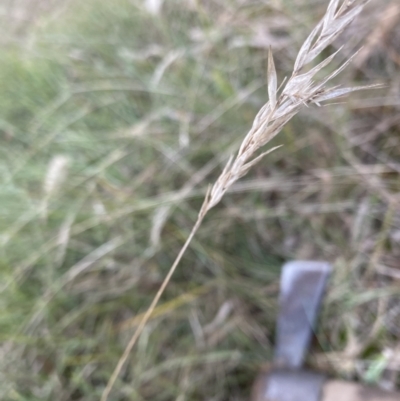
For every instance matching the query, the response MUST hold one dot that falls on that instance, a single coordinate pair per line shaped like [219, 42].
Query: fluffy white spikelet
[56, 173]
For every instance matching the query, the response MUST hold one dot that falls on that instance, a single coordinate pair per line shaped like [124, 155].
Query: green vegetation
[113, 121]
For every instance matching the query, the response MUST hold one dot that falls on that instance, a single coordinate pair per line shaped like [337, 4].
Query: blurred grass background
[114, 118]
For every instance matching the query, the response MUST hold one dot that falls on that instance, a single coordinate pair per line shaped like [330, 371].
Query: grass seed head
[300, 90]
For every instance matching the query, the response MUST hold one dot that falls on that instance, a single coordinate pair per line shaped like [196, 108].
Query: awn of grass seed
[299, 91]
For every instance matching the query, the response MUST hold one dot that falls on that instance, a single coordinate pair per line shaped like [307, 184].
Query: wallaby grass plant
[114, 116]
[301, 90]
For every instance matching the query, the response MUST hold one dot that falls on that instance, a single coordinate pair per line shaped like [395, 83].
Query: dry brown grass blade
[149, 312]
[300, 90]
[387, 21]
